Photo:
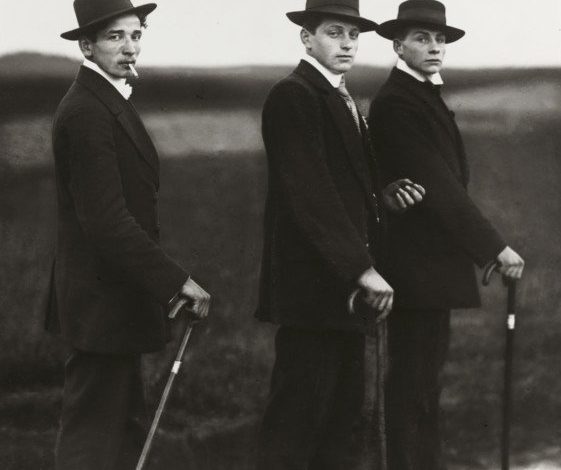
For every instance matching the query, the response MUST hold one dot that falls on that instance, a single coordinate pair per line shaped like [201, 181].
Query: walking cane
[381, 373]
[174, 371]
[507, 391]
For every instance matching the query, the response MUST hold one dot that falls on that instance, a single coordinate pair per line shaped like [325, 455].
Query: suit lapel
[123, 111]
[418, 90]
[344, 121]
[438, 109]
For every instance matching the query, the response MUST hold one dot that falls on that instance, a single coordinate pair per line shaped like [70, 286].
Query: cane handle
[489, 270]
[351, 301]
[177, 307]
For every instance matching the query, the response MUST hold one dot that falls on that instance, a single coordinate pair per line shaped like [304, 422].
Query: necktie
[344, 93]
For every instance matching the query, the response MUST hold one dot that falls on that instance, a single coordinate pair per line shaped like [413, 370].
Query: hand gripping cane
[507, 391]
[381, 373]
[174, 371]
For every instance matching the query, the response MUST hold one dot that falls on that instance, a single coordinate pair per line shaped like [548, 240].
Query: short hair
[91, 33]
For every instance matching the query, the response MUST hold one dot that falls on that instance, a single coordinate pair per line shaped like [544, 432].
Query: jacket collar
[123, 111]
[333, 78]
[352, 138]
[119, 83]
[435, 79]
[314, 76]
[423, 92]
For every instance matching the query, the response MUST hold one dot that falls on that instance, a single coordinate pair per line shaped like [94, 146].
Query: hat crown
[350, 6]
[425, 11]
[346, 10]
[90, 10]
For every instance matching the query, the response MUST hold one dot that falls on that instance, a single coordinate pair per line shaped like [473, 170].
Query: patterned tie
[344, 93]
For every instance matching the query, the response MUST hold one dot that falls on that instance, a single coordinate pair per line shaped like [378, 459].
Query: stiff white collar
[119, 83]
[333, 78]
[435, 78]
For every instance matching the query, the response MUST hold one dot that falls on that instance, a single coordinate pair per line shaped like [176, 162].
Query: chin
[432, 70]
[342, 68]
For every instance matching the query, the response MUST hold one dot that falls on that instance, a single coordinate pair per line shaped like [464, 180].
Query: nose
[129, 46]
[347, 43]
[435, 47]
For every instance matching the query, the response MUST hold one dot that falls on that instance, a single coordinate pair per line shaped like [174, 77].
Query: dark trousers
[102, 426]
[418, 344]
[317, 390]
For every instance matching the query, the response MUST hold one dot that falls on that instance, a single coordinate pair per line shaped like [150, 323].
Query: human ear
[86, 47]
[398, 47]
[305, 38]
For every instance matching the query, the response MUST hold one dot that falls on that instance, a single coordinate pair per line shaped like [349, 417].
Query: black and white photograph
[280, 235]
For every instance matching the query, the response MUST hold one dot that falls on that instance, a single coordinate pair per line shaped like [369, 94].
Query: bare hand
[199, 299]
[402, 195]
[511, 264]
[376, 293]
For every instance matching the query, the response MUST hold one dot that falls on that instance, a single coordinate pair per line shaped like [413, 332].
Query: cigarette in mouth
[133, 70]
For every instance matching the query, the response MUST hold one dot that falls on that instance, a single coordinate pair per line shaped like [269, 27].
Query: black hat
[91, 12]
[429, 13]
[344, 9]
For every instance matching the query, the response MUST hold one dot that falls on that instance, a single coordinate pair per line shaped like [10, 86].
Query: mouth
[129, 65]
[345, 57]
[434, 61]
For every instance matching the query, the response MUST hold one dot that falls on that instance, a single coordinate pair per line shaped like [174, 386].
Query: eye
[114, 37]
[136, 37]
[354, 34]
[441, 39]
[333, 33]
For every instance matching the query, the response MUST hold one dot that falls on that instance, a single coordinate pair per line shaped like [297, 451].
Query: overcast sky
[230, 32]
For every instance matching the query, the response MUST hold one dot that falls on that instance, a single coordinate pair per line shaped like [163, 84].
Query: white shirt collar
[435, 78]
[119, 83]
[333, 78]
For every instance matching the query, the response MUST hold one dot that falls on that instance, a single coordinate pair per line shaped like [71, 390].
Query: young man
[322, 227]
[112, 283]
[432, 248]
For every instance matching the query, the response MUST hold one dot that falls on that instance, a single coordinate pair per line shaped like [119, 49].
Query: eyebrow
[340, 26]
[122, 31]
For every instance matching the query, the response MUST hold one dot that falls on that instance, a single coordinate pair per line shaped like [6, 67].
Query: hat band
[423, 14]
[334, 8]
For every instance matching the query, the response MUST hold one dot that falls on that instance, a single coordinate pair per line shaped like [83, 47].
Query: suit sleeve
[95, 185]
[409, 153]
[292, 130]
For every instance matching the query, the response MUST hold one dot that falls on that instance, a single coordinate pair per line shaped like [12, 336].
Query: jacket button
[367, 245]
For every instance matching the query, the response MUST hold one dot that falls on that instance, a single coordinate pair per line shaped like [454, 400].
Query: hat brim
[390, 29]
[300, 18]
[142, 10]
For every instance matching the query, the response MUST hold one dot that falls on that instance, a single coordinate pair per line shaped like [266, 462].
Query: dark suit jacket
[433, 246]
[110, 277]
[321, 204]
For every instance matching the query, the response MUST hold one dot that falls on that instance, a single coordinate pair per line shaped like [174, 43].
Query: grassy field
[213, 187]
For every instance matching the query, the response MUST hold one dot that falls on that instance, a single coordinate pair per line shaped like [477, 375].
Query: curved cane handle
[489, 270]
[351, 301]
[177, 307]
